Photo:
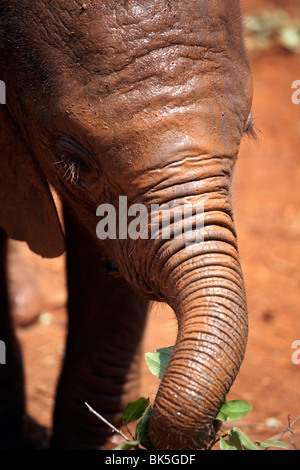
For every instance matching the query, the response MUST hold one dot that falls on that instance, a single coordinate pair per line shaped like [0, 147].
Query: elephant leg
[12, 399]
[102, 359]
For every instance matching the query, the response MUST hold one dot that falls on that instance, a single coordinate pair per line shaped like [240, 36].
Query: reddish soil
[253, 6]
[267, 211]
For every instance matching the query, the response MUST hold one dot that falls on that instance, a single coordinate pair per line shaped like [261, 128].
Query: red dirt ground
[267, 211]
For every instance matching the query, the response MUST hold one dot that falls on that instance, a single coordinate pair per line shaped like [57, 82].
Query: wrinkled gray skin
[148, 99]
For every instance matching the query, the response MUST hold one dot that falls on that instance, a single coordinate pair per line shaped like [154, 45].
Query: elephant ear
[27, 209]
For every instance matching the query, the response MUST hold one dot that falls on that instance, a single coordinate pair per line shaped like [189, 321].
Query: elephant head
[149, 100]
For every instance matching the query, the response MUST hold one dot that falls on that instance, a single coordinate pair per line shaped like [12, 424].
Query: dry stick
[289, 428]
[292, 443]
[129, 432]
[106, 422]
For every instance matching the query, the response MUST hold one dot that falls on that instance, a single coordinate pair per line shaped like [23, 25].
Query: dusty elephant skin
[149, 100]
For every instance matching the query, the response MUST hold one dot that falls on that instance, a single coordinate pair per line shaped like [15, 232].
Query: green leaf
[233, 410]
[158, 361]
[127, 445]
[234, 440]
[225, 445]
[270, 443]
[135, 409]
[245, 441]
[142, 430]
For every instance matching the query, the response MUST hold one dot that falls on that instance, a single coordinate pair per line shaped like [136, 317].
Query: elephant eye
[71, 167]
[75, 163]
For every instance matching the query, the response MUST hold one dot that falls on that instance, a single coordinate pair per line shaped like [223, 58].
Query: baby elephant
[133, 111]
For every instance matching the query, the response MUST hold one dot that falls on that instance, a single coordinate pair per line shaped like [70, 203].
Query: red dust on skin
[258, 383]
[156, 345]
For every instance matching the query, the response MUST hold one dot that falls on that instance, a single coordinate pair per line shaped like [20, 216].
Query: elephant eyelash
[76, 163]
[252, 131]
[70, 167]
[75, 171]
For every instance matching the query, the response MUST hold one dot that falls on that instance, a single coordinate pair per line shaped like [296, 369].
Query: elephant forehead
[116, 37]
[98, 48]
[108, 36]
[105, 36]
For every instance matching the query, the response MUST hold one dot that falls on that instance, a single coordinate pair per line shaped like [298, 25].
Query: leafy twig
[289, 429]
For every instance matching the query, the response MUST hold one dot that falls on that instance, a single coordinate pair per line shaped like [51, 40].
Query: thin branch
[106, 422]
[289, 428]
[129, 432]
[292, 443]
[215, 441]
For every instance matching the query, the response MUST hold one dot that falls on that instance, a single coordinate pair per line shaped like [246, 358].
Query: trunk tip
[165, 435]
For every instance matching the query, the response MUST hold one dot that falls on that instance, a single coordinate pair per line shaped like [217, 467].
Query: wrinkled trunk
[203, 283]
[204, 286]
